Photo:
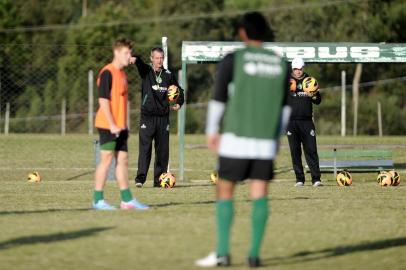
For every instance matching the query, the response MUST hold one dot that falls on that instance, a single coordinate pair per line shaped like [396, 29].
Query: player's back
[256, 94]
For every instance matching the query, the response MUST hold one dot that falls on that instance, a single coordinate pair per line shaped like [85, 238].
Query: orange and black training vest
[118, 99]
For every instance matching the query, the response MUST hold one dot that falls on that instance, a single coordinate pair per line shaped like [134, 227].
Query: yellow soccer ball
[167, 180]
[34, 177]
[344, 178]
[214, 177]
[310, 85]
[173, 94]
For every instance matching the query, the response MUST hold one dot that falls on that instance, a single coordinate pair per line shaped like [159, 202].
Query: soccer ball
[344, 178]
[310, 85]
[385, 179]
[167, 180]
[34, 177]
[214, 177]
[292, 84]
[395, 177]
[173, 93]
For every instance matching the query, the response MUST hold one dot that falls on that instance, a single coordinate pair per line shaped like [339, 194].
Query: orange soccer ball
[292, 85]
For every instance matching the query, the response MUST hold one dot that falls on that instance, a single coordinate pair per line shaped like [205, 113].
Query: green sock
[225, 214]
[126, 195]
[98, 195]
[259, 220]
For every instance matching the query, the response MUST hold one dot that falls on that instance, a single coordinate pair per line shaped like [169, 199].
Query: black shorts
[233, 169]
[110, 142]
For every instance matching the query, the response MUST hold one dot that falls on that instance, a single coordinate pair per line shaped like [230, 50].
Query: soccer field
[50, 226]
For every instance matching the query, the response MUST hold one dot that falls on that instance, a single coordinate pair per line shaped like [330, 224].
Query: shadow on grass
[23, 212]
[294, 198]
[181, 203]
[50, 238]
[305, 256]
[79, 175]
[214, 201]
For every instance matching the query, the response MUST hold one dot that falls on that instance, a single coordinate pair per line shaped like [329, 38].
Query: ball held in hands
[310, 86]
[173, 94]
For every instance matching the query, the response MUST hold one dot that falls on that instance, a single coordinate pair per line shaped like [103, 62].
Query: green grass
[49, 225]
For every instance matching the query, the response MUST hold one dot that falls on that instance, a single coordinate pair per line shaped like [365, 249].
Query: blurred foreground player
[250, 90]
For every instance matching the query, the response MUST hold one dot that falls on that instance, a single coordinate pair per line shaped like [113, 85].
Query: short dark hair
[122, 42]
[256, 26]
[157, 49]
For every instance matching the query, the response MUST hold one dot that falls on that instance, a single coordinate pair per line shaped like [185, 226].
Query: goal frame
[195, 52]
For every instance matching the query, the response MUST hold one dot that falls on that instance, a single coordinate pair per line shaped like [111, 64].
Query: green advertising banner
[200, 52]
[194, 52]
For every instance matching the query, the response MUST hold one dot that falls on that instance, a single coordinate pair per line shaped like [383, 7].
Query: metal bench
[355, 160]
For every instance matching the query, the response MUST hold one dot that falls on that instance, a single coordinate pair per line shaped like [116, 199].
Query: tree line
[41, 66]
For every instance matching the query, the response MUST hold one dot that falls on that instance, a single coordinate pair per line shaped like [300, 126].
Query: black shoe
[139, 183]
[156, 184]
[254, 262]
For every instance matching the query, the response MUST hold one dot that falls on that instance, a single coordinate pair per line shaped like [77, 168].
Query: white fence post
[355, 97]
[0, 113]
[63, 117]
[7, 119]
[343, 114]
[90, 102]
[380, 119]
[165, 48]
